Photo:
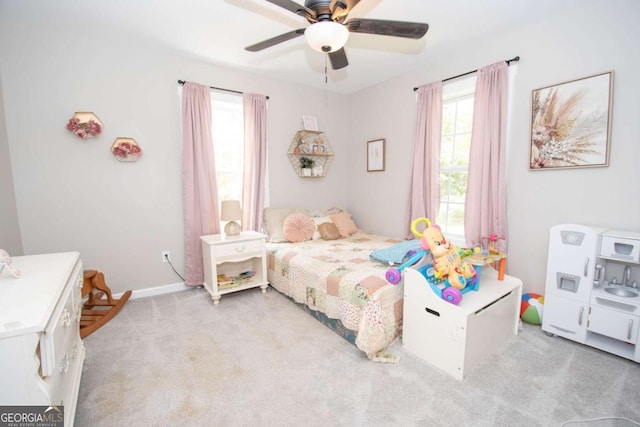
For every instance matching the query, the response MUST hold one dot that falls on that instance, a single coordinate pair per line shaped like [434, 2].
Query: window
[228, 143]
[457, 119]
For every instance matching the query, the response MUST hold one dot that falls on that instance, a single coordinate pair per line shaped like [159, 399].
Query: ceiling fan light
[326, 36]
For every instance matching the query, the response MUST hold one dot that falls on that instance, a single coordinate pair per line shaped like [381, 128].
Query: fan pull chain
[326, 81]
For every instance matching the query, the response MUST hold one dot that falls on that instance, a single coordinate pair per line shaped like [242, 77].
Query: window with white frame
[228, 143]
[457, 119]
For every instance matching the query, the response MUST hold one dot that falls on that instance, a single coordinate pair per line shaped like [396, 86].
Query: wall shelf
[315, 146]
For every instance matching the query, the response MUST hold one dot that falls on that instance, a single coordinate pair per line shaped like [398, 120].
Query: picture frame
[571, 124]
[376, 155]
[309, 123]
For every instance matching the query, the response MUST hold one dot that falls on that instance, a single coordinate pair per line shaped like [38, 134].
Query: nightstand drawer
[239, 249]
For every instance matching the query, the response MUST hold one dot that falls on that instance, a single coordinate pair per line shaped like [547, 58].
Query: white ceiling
[218, 30]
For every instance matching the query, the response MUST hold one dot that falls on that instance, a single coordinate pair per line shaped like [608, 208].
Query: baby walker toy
[443, 289]
[394, 274]
[450, 275]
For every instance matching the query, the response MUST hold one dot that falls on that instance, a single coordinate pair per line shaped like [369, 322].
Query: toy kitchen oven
[592, 291]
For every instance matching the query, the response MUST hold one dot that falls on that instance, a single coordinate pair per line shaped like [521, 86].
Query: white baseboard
[157, 290]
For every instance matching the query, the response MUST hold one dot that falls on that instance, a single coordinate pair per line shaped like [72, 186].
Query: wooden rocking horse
[98, 310]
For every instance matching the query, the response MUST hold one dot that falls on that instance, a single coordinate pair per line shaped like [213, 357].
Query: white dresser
[41, 353]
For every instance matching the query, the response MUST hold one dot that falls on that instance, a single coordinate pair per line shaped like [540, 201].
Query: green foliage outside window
[457, 118]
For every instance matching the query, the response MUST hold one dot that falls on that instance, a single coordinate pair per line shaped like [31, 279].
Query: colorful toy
[479, 250]
[492, 239]
[441, 288]
[447, 257]
[394, 274]
[531, 308]
[481, 256]
[450, 275]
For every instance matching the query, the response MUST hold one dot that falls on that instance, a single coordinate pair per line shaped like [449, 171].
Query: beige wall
[10, 239]
[576, 43]
[72, 195]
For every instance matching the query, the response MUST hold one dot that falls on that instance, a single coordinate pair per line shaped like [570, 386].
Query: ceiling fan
[329, 32]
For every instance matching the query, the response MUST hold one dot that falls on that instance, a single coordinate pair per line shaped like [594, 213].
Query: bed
[335, 280]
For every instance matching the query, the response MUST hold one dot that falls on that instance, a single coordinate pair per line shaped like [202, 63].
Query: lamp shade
[231, 210]
[326, 36]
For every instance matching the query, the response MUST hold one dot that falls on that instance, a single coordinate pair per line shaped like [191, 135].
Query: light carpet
[258, 360]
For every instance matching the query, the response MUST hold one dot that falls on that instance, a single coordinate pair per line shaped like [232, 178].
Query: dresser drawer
[63, 383]
[238, 249]
[58, 338]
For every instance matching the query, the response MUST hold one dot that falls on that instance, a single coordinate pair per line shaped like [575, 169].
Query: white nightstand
[240, 262]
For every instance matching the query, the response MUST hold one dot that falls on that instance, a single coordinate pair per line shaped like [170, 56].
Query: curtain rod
[508, 61]
[181, 82]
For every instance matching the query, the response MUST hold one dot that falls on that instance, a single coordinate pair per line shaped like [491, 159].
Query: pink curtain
[424, 190]
[201, 215]
[255, 160]
[485, 208]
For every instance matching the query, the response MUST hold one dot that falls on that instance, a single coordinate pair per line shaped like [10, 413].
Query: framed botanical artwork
[571, 124]
[309, 123]
[375, 155]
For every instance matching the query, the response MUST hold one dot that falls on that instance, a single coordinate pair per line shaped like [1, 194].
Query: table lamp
[231, 212]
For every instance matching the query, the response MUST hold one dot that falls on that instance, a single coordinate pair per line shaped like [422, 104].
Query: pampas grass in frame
[571, 124]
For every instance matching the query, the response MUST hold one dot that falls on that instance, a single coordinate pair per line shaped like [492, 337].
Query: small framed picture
[375, 155]
[309, 123]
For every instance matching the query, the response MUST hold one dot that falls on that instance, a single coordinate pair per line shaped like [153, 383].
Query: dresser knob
[66, 317]
[240, 248]
[64, 366]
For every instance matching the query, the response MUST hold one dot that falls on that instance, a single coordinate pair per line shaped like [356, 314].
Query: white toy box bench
[455, 338]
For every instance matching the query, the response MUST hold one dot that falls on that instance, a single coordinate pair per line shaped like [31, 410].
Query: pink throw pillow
[298, 227]
[345, 224]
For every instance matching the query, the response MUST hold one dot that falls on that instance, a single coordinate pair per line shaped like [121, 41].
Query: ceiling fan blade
[338, 59]
[294, 7]
[340, 8]
[275, 40]
[412, 30]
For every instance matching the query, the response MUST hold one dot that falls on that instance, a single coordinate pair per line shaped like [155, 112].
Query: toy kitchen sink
[592, 295]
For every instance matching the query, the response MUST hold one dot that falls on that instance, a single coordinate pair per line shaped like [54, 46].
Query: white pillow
[273, 220]
[317, 221]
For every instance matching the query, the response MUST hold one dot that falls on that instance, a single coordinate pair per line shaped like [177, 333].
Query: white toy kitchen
[592, 290]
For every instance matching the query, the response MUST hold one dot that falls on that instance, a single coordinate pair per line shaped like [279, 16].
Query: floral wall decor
[85, 124]
[126, 149]
[571, 124]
